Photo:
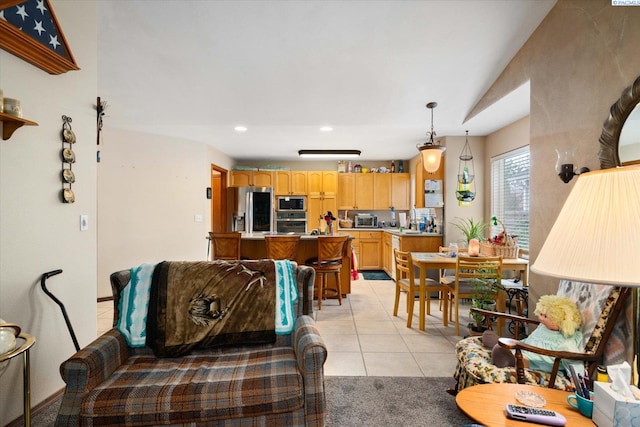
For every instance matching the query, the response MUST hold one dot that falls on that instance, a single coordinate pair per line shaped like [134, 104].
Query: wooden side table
[29, 341]
[485, 404]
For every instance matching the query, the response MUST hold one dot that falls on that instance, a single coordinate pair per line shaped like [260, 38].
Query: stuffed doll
[559, 320]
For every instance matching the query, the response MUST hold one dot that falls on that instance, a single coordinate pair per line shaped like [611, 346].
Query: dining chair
[468, 270]
[406, 281]
[282, 247]
[331, 251]
[225, 245]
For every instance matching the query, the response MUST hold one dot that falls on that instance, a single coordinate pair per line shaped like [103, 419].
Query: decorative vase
[8, 336]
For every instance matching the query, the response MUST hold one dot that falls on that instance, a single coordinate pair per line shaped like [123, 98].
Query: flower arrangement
[503, 238]
[502, 244]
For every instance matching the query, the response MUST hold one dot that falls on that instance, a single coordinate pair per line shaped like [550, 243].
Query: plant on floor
[485, 291]
[470, 228]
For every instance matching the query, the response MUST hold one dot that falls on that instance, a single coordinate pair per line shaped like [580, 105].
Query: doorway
[218, 199]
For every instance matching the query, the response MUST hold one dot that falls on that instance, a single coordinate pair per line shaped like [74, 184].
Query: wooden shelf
[11, 123]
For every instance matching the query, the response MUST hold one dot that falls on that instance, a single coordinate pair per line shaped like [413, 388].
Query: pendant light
[431, 152]
[466, 174]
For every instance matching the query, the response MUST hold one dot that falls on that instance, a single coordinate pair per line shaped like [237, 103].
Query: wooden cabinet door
[364, 191]
[347, 191]
[314, 210]
[382, 194]
[330, 183]
[370, 250]
[282, 183]
[314, 183]
[401, 191]
[262, 179]
[298, 183]
[387, 254]
[240, 178]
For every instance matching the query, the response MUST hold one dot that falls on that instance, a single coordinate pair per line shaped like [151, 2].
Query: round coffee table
[485, 404]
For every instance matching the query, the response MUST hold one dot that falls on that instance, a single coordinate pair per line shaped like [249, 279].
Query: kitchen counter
[393, 232]
[253, 246]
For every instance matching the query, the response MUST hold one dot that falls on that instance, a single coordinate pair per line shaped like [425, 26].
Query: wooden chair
[469, 269]
[225, 245]
[282, 247]
[406, 281]
[331, 250]
[605, 335]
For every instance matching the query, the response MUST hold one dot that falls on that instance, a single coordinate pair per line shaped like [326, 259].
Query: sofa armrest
[311, 354]
[86, 369]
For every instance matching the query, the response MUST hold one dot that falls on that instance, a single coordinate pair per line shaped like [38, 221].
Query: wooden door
[282, 185]
[262, 179]
[218, 199]
[298, 183]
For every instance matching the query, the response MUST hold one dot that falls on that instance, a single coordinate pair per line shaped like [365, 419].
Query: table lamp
[596, 237]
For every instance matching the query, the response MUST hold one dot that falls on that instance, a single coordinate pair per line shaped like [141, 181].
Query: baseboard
[40, 407]
[103, 299]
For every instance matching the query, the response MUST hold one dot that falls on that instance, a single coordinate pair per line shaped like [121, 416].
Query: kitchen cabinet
[370, 250]
[407, 243]
[356, 191]
[374, 191]
[290, 183]
[387, 255]
[251, 179]
[401, 191]
[322, 187]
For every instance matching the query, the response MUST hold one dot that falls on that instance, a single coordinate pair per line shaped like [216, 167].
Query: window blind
[510, 201]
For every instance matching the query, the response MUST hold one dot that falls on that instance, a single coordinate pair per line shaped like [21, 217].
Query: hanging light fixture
[431, 152]
[466, 174]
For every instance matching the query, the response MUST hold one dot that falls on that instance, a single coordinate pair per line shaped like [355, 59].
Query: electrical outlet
[84, 222]
[197, 218]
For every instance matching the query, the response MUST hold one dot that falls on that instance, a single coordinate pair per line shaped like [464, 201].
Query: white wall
[151, 187]
[452, 210]
[38, 233]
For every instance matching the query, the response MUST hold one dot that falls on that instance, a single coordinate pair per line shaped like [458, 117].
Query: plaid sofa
[110, 384]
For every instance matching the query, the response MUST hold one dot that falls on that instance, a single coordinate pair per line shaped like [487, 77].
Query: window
[510, 200]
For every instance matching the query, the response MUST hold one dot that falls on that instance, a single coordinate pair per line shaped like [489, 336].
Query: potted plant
[470, 228]
[485, 292]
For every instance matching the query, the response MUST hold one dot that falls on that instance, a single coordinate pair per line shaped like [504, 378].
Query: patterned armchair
[606, 337]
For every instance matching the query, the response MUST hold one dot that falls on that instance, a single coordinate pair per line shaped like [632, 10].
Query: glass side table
[28, 342]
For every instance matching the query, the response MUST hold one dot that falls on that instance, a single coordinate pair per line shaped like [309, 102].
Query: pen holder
[584, 406]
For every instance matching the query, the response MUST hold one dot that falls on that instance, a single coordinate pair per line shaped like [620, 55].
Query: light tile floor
[365, 339]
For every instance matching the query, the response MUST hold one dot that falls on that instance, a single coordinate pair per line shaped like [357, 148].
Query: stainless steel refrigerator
[250, 209]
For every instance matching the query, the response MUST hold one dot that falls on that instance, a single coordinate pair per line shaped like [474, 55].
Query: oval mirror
[620, 138]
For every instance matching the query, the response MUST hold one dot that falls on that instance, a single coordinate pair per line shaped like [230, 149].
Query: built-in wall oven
[291, 222]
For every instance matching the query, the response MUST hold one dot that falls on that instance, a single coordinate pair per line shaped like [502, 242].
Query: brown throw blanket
[207, 304]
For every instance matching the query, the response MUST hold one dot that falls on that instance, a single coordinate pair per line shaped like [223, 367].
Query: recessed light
[326, 128]
[240, 128]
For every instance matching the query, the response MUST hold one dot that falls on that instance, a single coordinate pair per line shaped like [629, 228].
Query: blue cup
[422, 226]
[584, 406]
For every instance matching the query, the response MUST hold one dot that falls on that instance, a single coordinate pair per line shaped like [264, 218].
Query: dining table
[425, 261]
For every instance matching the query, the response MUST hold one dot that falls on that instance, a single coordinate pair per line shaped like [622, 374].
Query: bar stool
[225, 245]
[282, 247]
[331, 250]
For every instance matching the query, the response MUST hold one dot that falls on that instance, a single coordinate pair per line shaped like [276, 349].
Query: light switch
[197, 218]
[84, 222]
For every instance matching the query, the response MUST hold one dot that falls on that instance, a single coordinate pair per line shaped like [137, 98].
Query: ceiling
[283, 69]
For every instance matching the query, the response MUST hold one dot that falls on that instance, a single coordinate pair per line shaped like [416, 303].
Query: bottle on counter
[393, 166]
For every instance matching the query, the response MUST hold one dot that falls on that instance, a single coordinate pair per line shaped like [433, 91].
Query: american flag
[33, 18]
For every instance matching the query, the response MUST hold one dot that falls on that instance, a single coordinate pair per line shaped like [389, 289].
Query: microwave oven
[366, 221]
[291, 203]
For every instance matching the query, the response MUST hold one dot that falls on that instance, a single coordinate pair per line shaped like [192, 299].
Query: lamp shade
[431, 155]
[596, 237]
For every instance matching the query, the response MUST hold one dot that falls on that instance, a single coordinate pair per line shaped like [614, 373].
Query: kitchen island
[254, 247]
